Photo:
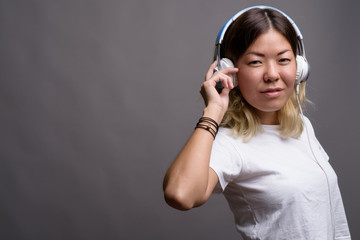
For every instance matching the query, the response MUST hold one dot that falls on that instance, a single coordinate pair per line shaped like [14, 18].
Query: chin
[270, 109]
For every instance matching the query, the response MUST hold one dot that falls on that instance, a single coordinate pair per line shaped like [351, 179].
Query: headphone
[302, 65]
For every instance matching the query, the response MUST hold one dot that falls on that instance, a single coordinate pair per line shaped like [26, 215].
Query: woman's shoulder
[227, 134]
[308, 126]
[227, 139]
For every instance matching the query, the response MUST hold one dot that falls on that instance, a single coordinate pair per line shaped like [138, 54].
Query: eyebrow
[263, 55]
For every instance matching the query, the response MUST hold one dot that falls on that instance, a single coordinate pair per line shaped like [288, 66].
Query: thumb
[225, 92]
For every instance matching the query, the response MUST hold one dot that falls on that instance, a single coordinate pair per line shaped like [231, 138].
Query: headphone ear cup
[302, 69]
[226, 63]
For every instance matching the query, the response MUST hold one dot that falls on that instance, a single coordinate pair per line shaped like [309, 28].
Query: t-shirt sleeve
[225, 161]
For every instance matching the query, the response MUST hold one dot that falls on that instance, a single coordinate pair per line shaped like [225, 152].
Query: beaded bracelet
[211, 126]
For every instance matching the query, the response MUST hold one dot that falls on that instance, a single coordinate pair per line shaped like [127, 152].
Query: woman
[265, 157]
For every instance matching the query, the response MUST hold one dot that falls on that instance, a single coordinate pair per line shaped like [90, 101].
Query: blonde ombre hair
[241, 117]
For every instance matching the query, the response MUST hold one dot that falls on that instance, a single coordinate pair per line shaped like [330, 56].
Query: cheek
[289, 77]
[248, 78]
[245, 84]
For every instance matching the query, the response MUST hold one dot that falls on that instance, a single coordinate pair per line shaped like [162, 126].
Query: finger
[229, 70]
[210, 72]
[226, 80]
[225, 92]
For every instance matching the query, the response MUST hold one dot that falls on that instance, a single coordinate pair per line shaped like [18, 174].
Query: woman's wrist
[209, 125]
[214, 113]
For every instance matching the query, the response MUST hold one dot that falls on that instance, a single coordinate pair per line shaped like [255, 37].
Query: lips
[272, 92]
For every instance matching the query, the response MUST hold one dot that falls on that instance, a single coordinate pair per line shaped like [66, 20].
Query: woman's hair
[241, 116]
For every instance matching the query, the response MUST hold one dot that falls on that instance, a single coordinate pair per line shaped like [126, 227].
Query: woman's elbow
[181, 197]
[178, 200]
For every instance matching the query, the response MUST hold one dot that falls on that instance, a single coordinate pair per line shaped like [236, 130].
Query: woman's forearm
[186, 183]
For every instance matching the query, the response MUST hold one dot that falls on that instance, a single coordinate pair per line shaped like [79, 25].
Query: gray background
[97, 98]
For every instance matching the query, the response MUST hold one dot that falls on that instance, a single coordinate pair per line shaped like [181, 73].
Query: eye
[284, 60]
[255, 62]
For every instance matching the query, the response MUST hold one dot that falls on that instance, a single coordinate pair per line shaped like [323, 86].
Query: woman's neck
[268, 118]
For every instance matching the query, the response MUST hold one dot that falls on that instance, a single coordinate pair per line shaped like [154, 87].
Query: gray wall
[97, 97]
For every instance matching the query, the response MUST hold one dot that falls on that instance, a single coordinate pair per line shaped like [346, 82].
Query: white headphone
[302, 65]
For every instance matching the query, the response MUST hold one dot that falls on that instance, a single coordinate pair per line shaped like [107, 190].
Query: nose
[271, 72]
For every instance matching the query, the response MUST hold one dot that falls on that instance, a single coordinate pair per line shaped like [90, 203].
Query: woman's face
[266, 75]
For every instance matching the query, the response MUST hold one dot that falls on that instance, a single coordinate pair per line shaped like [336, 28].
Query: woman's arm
[189, 180]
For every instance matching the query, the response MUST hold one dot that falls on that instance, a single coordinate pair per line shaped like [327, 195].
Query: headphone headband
[222, 31]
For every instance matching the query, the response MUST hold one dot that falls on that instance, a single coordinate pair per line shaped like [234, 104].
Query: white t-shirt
[275, 187]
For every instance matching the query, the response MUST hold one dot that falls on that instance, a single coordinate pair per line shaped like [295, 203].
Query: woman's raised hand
[217, 103]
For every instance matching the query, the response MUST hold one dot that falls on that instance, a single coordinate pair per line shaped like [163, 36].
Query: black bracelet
[206, 128]
[211, 121]
[211, 126]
